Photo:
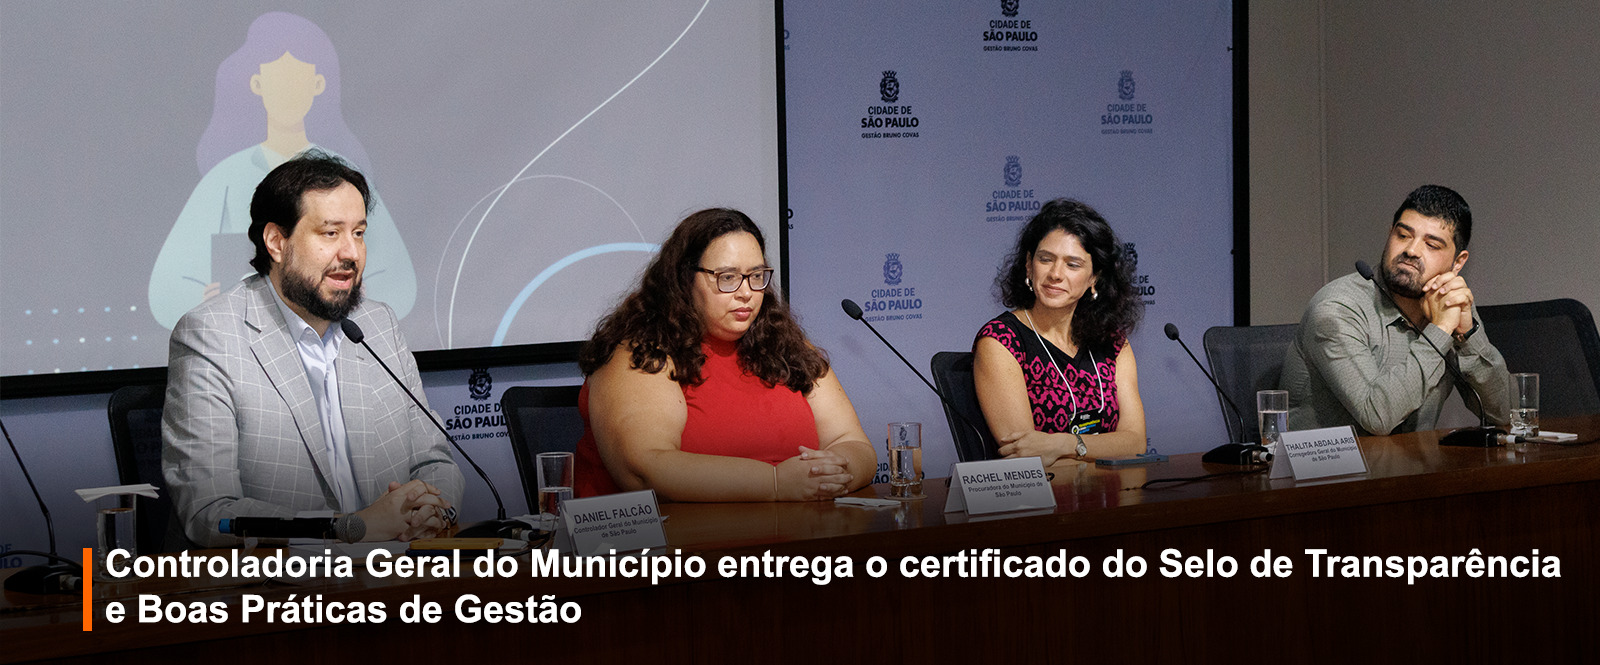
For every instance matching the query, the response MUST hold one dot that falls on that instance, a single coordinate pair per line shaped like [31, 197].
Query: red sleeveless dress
[731, 413]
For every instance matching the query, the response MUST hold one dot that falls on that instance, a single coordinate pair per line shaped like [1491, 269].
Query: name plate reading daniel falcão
[623, 522]
[999, 486]
[1323, 453]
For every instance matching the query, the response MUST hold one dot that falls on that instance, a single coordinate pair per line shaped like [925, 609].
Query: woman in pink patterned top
[1055, 375]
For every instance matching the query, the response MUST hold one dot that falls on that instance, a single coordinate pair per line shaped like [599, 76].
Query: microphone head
[1172, 332]
[851, 308]
[352, 330]
[1364, 270]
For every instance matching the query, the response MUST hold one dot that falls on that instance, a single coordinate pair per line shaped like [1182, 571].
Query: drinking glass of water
[115, 528]
[555, 486]
[1272, 417]
[905, 461]
[1525, 405]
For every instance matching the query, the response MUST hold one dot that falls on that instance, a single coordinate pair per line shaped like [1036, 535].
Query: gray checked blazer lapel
[359, 378]
[280, 359]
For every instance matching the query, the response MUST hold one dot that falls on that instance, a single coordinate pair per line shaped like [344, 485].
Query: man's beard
[300, 290]
[1406, 285]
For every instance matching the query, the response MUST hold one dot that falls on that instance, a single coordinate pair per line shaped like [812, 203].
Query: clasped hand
[814, 475]
[406, 512]
[1447, 302]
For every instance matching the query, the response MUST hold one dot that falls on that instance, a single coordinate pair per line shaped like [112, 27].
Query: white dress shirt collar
[318, 354]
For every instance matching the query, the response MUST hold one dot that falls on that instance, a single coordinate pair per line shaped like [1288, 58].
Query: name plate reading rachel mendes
[999, 486]
[623, 522]
[1323, 453]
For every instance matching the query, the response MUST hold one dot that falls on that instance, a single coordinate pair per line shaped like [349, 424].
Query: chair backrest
[1247, 359]
[952, 372]
[135, 413]
[1555, 339]
[540, 419]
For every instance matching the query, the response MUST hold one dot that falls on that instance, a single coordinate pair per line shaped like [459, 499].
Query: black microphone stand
[1242, 453]
[1172, 334]
[45, 578]
[854, 311]
[499, 527]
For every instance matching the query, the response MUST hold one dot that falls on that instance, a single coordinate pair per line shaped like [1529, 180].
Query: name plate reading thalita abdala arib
[1323, 453]
[999, 486]
[623, 522]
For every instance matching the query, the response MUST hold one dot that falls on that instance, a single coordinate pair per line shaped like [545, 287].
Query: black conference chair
[135, 413]
[952, 372]
[540, 419]
[1555, 339]
[1246, 359]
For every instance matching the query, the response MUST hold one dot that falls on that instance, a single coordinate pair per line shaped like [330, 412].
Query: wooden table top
[1091, 502]
[1095, 501]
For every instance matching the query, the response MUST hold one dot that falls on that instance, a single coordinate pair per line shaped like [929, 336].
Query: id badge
[1089, 422]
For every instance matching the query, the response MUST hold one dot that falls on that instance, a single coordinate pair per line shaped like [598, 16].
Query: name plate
[622, 522]
[1323, 453]
[1280, 463]
[999, 486]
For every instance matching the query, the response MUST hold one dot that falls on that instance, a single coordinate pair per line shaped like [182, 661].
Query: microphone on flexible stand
[1172, 334]
[499, 527]
[1241, 453]
[1482, 436]
[45, 578]
[854, 311]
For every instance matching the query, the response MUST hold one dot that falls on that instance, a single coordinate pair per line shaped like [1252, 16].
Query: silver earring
[1094, 295]
[1028, 281]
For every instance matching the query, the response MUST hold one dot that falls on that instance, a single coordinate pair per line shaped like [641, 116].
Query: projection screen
[527, 158]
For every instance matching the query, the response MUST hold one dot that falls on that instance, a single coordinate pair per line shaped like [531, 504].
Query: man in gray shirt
[1360, 360]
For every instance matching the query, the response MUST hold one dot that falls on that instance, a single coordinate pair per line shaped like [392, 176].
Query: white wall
[1355, 103]
[1287, 192]
[1497, 100]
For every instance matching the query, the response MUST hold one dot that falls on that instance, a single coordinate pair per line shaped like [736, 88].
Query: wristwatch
[1082, 448]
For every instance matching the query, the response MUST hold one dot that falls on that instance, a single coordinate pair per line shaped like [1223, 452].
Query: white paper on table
[867, 503]
[142, 489]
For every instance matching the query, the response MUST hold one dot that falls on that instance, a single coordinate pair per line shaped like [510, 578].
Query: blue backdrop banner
[920, 140]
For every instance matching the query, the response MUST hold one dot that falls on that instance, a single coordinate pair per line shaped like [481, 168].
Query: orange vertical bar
[88, 589]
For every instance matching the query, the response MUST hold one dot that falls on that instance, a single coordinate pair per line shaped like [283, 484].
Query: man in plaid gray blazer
[270, 411]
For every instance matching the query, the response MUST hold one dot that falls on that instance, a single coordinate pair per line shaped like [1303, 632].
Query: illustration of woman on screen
[274, 95]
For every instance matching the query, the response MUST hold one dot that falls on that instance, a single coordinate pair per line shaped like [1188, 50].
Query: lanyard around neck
[1070, 393]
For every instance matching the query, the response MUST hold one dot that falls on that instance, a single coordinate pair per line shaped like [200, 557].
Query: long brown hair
[660, 320]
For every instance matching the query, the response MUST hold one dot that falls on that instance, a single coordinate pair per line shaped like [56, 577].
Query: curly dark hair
[660, 320]
[1097, 321]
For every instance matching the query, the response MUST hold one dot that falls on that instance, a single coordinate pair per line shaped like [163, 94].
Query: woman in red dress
[702, 387]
